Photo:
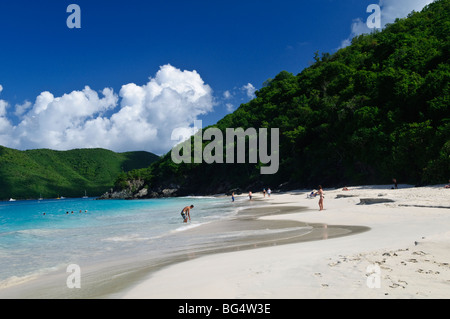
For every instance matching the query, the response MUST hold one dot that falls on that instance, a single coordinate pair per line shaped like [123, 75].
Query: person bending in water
[186, 213]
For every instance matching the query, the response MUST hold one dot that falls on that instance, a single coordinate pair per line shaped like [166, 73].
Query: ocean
[41, 237]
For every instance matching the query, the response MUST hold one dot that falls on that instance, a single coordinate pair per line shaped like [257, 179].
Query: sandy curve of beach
[405, 254]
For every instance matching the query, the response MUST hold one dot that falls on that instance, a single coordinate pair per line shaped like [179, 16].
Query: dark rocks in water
[162, 192]
[169, 192]
[137, 190]
[370, 201]
[122, 194]
[141, 193]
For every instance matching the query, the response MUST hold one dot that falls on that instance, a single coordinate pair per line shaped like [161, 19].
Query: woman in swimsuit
[320, 193]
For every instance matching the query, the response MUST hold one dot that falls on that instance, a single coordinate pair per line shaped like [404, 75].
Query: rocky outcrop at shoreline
[137, 190]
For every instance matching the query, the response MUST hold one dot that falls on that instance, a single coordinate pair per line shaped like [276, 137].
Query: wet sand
[274, 232]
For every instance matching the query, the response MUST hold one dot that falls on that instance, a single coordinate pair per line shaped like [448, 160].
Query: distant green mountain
[376, 110]
[47, 173]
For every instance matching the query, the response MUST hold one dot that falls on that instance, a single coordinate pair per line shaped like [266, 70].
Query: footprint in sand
[428, 272]
[390, 254]
[403, 282]
[386, 268]
[333, 264]
[441, 264]
[400, 283]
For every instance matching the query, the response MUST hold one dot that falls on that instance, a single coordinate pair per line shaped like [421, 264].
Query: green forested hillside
[47, 173]
[375, 110]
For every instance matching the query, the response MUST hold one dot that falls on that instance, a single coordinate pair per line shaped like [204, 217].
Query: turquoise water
[37, 237]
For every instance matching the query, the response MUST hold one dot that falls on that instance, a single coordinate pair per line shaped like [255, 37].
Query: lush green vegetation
[34, 173]
[375, 110]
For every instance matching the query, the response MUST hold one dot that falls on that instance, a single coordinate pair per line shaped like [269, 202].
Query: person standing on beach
[264, 192]
[250, 195]
[320, 193]
[395, 183]
[186, 213]
[269, 191]
[232, 197]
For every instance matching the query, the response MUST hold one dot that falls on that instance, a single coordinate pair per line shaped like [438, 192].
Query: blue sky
[136, 70]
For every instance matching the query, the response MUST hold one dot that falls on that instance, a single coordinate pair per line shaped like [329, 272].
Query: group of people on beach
[185, 213]
[250, 194]
[269, 191]
[264, 191]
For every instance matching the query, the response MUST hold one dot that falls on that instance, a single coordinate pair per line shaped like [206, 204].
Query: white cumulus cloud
[227, 95]
[5, 125]
[139, 117]
[393, 9]
[250, 90]
[53, 122]
[22, 108]
[230, 107]
[172, 99]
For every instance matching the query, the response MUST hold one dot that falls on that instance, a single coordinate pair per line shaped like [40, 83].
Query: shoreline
[410, 245]
[275, 248]
[243, 232]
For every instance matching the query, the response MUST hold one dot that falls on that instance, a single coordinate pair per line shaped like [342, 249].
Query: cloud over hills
[139, 117]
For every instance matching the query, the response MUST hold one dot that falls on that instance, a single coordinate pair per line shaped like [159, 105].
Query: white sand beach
[405, 254]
